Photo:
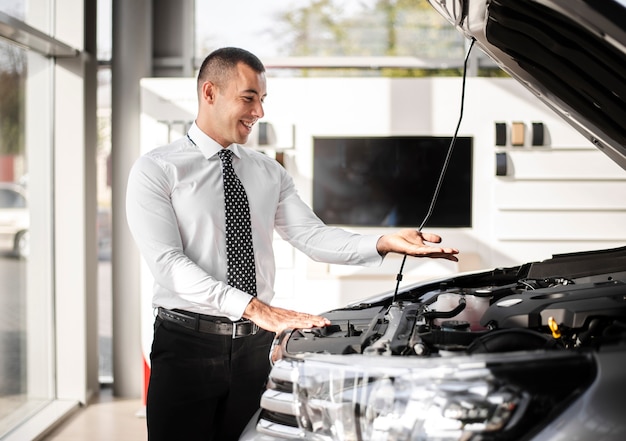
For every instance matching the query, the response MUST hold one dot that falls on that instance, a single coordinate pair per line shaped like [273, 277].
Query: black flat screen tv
[390, 181]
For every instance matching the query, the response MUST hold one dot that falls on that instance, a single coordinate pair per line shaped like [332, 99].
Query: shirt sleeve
[299, 225]
[153, 224]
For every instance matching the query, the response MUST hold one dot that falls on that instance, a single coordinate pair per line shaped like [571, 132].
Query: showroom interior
[89, 102]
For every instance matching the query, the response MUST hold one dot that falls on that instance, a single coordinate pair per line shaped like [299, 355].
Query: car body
[528, 352]
[14, 219]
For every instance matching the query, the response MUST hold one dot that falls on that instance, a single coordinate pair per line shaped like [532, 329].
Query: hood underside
[570, 53]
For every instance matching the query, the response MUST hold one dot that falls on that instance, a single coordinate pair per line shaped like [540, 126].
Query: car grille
[278, 413]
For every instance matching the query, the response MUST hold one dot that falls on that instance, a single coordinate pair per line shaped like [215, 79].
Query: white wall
[559, 197]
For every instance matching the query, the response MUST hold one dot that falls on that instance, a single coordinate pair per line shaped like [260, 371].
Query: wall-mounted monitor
[390, 181]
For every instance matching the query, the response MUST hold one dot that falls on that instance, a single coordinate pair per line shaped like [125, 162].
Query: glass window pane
[14, 8]
[337, 28]
[24, 382]
[105, 295]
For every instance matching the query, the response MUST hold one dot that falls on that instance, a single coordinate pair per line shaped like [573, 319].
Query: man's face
[237, 106]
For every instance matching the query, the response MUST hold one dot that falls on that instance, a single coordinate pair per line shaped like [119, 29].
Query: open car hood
[569, 53]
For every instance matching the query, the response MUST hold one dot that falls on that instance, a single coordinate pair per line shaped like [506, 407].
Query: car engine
[567, 302]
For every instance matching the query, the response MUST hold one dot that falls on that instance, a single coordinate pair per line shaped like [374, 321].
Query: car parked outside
[14, 220]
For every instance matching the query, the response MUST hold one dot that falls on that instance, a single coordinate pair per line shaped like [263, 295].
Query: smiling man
[202, 211]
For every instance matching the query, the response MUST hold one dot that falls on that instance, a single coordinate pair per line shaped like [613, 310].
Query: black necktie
[239, 252]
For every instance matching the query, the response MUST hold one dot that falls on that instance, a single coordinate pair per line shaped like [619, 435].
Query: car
[14, 219]
[533, 351]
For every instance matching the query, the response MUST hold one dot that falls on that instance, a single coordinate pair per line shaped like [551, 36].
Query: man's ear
[209, 90]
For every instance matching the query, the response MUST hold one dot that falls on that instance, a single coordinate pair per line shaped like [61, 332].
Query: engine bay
[570, 301]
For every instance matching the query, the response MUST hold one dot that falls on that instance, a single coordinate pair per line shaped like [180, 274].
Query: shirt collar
[207, 145]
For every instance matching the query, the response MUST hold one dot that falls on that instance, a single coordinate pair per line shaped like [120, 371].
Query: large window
[25, 332]
[45, 276]
[333, 28]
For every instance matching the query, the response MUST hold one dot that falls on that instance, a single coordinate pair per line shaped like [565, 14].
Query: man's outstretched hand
[274, 319]
[413, 243]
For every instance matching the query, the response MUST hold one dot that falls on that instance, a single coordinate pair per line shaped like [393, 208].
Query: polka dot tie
[239, 252]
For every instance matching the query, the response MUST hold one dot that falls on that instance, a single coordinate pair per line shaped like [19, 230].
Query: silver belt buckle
[255, 328]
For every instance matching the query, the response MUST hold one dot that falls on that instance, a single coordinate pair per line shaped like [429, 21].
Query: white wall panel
[563, 225]
[572, 164]
[560, 195]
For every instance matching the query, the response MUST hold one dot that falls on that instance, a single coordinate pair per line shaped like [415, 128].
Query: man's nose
[258, 110]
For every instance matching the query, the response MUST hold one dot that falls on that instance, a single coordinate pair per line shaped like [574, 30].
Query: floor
[107, 419]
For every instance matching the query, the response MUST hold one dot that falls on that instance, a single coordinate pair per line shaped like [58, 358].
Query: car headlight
[374, 404]
[442, 399]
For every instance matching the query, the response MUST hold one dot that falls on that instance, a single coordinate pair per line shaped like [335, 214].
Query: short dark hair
[221, 62]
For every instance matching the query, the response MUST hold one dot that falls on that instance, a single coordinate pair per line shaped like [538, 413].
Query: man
[209, 358]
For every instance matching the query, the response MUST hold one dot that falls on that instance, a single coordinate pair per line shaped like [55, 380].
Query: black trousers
[204, 386]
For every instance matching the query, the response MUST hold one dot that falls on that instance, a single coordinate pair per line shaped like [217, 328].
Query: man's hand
[276, 319]
[412, 243]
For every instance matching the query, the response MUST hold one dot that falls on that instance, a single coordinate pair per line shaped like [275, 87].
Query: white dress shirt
[175, 211]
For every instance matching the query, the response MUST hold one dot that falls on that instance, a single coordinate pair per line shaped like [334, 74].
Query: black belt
[208, 324]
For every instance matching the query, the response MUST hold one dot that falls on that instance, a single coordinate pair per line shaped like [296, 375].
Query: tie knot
[225, 155]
